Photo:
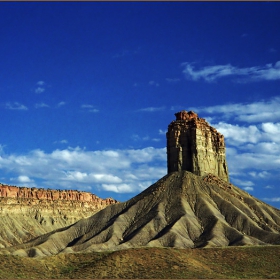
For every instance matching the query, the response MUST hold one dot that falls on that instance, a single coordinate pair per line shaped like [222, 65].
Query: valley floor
[260, 262]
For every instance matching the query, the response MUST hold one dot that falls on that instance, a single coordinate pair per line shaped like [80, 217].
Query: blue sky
[88, 90]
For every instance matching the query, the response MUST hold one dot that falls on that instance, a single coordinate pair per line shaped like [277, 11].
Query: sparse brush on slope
[181, 210]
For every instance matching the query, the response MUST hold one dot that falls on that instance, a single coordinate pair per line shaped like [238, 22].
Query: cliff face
[26, 213]
[65, 195]
[193, 145]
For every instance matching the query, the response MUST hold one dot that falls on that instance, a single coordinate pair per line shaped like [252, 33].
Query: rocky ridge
[26, 213]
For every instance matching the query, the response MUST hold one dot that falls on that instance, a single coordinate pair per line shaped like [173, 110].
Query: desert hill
[181, 210]
[26, 213]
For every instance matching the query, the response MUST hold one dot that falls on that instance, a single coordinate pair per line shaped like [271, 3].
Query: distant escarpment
[26, 213]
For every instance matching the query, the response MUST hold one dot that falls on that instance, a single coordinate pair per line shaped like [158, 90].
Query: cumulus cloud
[259, 111]
[239, 134]
[247, 185]
[212, 73]
[249, 145]
[115, 170]
[24, 179]
[15, 106]
[252, 136]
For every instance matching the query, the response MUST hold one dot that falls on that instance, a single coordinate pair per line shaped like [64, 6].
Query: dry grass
[260, 262]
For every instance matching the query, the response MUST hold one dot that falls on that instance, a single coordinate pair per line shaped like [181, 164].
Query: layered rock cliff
[49, 194]
[26, 213]
[193, 145]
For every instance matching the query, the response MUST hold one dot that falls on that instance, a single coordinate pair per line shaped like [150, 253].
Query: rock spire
[193, 145]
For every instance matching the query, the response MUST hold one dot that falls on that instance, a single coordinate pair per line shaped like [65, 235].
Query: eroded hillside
[26, 213]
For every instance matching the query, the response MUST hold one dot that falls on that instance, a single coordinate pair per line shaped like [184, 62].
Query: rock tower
[193, 145]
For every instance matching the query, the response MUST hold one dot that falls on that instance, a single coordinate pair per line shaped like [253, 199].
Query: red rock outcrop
[26, 213]
[49, 194]
[193, 145]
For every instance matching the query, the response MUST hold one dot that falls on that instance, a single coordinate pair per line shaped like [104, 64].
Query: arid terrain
[191, 223]
[257, 262]
[27, 213]
[181, 210]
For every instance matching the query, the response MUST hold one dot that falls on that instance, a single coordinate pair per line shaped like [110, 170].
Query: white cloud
[153, 83]
[39, 90]
[75, 168]
[40, 87]
[136, 137]
[24, 179]
[152, 109]
[62, 103]
[1, 149]
[262, 174]
[41, 105]
[252, 149]
[90, 108]
[248, 185]
[260, 111]
[118, 188]
[248, 188]
[269, 187]
[273, 129]
[15, 106]
[239, 134]
[273, 199]
[212, 73]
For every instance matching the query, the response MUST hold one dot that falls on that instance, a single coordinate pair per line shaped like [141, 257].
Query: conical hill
[181, 210]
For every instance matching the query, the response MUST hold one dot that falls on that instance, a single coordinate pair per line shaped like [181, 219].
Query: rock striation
[193, 145]
[26, 213]
[49, 194]
[181, 210]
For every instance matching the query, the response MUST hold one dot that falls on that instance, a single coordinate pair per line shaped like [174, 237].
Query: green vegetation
[260, 262]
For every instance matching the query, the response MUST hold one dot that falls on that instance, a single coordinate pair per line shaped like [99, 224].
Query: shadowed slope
[181, 210]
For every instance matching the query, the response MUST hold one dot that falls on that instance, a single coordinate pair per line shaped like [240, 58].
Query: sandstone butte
[193, 145]
[193, 206]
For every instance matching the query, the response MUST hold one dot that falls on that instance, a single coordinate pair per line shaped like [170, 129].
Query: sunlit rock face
[193, 145]
[26, 213]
